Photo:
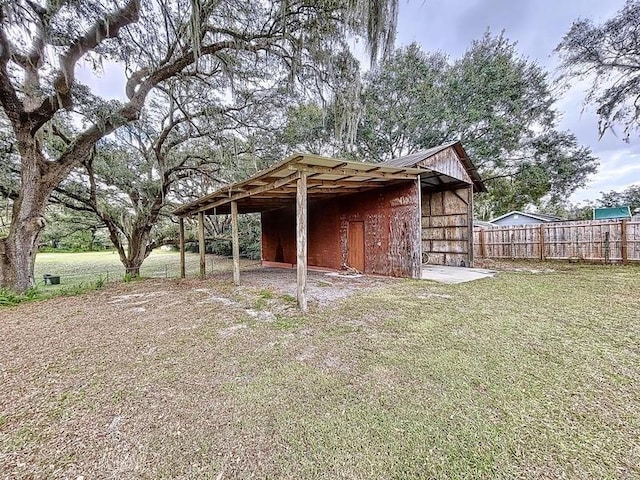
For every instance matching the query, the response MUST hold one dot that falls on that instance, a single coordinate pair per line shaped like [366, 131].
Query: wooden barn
[385, 218]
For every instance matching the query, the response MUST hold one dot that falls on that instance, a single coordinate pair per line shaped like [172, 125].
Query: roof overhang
[275, 187]
[438, 178]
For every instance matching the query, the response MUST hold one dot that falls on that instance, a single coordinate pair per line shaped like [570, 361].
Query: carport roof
[275, 187]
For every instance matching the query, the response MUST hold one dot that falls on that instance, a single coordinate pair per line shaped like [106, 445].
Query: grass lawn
[88, 267]
[525, 375]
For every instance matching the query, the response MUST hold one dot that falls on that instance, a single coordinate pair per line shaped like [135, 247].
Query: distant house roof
[537, 216]
[415, 159]
[483, 224]
[611, 213]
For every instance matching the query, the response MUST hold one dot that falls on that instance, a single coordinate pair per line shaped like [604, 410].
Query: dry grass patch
[522, 375]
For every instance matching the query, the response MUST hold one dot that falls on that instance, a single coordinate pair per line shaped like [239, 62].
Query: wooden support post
[624, 251]
[301, 240]
[542, 245]
[418, 267]
[235, 247]
[201, 245]
[470, 222]
[182, 247]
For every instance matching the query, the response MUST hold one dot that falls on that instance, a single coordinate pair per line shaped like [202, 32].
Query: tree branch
[108, 27]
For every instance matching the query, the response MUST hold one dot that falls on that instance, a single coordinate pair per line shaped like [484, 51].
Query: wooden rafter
[352, 172]
[274, 186]
[264, 188]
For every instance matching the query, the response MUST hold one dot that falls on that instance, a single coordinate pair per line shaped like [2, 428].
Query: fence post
[513, 252]
[606, 247]
[542, 256]
[623, 241]
[483, 246]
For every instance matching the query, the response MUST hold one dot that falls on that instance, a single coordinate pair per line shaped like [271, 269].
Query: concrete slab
[445, 274]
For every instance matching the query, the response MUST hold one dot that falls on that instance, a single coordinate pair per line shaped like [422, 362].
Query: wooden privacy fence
[593, 240]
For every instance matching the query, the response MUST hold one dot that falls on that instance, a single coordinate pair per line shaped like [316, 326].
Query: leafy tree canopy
[496, 102]
[235, 48]
[630, 197]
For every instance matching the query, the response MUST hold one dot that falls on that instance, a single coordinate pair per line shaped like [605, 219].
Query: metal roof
[275, 186]
[414, 159]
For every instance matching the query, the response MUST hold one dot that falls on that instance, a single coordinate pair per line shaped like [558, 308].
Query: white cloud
[618, 170]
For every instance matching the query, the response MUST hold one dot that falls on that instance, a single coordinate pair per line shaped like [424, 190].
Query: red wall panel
[391, 219]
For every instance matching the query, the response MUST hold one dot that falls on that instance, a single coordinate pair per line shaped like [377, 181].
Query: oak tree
[608, 57]
[155, 41]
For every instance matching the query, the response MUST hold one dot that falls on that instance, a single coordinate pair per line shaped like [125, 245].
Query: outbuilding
[377, 218]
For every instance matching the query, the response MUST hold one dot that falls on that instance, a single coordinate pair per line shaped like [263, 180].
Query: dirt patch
[142, 376]
[323, 288]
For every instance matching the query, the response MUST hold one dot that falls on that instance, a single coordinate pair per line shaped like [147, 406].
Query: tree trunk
[138, 250]
[134, 261]
[18, 250]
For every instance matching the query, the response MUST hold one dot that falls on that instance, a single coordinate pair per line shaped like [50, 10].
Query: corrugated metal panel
[414, 158]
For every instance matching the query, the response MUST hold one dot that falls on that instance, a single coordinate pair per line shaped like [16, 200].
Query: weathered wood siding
[448, 163]
[391, 219]
[594, 240]
[446, 227]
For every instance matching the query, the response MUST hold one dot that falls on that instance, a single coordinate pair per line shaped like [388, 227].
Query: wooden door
[355, 246]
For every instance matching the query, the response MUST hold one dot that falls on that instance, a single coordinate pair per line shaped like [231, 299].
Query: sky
[537, 26]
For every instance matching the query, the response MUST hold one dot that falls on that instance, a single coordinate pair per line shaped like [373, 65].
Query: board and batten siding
[448, 163]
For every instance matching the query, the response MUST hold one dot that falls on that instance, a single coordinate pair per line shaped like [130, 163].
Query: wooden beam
[235, 247]
[182, 247]
[542, 245]
[274, 194]
[301, 240]
[332, 191]
[346, 183]
[419, 233]
[264, 188]
[351, 172]
[201, 245]
[470, 223]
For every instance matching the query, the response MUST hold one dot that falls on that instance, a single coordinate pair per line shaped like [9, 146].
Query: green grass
[519, 376]
[526, 375]
[77, 267]
[82, 272]
[89, 267]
